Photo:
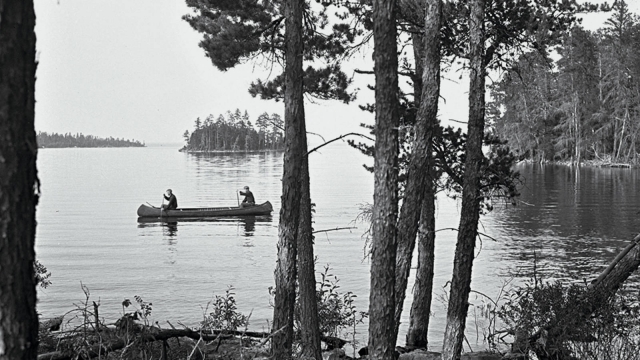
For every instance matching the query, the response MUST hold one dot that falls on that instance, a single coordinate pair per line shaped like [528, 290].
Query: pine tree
[19, 186]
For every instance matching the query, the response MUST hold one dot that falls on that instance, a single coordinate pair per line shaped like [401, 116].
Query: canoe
[152, 211]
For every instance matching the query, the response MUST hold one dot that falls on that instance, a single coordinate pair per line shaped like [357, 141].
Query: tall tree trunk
[309, 328]
[419, 172]
[423, 287]
[468, 228]
[382, 335]
[577, 130]
[422, 291]
[285, 273]
[410, 211]
[18, 181]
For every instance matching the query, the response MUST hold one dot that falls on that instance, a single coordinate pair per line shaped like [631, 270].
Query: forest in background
[235, 132]
[580, 103]
[55, 140]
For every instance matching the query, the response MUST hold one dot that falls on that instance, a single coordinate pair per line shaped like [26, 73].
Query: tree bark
[419, 173]
[308, 304]
[19, 185]
[285, 273]
[468, 228]
[382, 335]
[410, 211]
[417, 335]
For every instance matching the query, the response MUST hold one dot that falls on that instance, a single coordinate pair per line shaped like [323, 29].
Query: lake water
[574, 220]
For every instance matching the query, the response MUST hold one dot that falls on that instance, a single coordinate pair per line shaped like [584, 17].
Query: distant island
[55, 140]
[235, 133]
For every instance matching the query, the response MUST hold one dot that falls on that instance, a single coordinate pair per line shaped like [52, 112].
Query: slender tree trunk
[410, 210]
[285, 273]
[422, 291]
[423, 288]
[382, 335]
[577, 130]
[419, 179]
[19, 185]
[468, 228]
[624, 126]
[309, 328]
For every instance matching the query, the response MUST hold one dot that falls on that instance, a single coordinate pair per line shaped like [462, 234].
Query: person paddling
[249, 200]
[172, 201]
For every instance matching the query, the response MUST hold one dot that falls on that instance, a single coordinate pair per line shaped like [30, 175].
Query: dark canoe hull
[260, 209]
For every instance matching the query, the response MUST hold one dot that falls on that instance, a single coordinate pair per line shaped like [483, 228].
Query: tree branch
[336, 139]
[336, 229]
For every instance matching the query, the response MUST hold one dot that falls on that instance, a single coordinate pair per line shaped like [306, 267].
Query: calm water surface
[575, 221]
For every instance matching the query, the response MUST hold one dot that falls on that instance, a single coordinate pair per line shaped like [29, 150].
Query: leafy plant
[337, 313]
[141, 313]
[225, 315]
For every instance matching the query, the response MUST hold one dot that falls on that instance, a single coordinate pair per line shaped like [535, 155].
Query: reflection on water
[575, 220]
[170, 229]
[169, 225]
[249, 223]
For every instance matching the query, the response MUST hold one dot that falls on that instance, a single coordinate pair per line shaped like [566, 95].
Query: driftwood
[596, 294]
[150, 333]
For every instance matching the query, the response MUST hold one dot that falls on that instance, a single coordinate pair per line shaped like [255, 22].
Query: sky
[133, 69]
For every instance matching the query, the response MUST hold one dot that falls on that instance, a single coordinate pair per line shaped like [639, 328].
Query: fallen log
[618, 271]
[153, 334]
[150, 333]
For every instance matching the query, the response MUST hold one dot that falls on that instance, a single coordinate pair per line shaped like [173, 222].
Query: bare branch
[336, 139]
[336, 229]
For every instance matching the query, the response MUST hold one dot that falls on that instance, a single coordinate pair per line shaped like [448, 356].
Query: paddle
[161, 207]
[238, 197]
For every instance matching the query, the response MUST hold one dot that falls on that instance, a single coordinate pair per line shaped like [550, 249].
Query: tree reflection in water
[575, 220]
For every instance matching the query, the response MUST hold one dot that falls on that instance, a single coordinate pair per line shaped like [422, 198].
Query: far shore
[228, 151]
[591, 163]
[88, 147]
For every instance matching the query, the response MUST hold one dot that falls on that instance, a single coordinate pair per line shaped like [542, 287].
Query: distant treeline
[235, 132]
[583, 103]
[55, 140]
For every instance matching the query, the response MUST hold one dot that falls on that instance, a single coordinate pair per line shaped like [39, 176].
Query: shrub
[225, 315]
[337, 313]
[555, 321]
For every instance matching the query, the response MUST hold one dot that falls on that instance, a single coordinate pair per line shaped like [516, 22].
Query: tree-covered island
[235, 133]
[55, 140]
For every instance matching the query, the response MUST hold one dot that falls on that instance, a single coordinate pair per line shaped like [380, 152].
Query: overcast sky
[133, 69]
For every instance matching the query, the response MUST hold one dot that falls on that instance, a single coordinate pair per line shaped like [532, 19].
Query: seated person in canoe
[172, 201]
[249, 200]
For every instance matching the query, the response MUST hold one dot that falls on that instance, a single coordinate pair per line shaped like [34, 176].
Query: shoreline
[229, 151]
[589, 163]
